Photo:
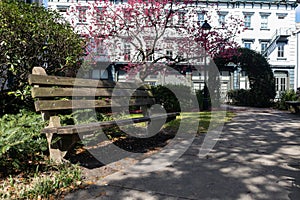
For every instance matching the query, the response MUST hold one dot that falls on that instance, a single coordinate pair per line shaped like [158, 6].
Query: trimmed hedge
[172, 97]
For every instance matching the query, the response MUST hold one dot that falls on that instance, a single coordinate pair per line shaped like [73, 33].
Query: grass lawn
[206, 120]
[209, 119]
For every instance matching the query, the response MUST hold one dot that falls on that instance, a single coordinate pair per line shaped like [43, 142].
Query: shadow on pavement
[256, 157]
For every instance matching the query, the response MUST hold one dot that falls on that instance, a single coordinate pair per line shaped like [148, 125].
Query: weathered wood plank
[86, 92]
[46, 105]
[34, 79]
[84, 128]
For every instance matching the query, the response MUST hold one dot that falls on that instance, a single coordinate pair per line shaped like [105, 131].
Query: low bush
[21, 142]
[260, 75]
[240, 97]
[25, 170]
[201, 99]
[289, 95]
[174, 98]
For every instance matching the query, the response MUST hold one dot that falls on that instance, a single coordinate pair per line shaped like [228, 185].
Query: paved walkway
[256, 157]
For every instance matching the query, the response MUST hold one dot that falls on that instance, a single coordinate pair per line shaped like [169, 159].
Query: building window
[201, 19]
[149, 55]
[122, 74]
[181, 18]
[243, 73]
[99, 74]
[222, 20]
[247, 42]
[152, 83]
[264, 22]
[280, 52]
[82, 14]
[169, 54]
[263, 47]
[281, 82]
[247, 45]
[281, 15]
[62, 9]
[200, 59]
[127, 51]
[224, 73]
[247, 21]
[99, 15]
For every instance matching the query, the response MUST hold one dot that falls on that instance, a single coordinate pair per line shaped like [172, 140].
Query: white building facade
[270, 30]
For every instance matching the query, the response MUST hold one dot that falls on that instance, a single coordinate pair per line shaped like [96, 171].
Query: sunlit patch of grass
[206, 120]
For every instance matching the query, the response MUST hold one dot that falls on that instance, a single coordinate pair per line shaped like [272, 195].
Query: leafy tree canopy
[258, 70]
[32, 36]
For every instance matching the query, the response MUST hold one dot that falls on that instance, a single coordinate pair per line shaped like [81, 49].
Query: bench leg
[59, 146]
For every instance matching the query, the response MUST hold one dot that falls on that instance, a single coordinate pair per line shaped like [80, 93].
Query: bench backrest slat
[41, 80]
[40, 92]
[55, 93]
[48, 105]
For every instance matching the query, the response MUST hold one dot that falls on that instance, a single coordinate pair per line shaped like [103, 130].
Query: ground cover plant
[50, 183]
[25, 172]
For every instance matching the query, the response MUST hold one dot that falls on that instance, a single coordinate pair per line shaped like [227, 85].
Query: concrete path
[256, 157]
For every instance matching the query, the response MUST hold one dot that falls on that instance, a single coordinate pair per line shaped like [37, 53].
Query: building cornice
[287, 3]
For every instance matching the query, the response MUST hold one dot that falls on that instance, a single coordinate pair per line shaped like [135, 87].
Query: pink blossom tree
[152, 34]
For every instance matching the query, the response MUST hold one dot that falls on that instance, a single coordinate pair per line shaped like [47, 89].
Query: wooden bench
[56, 96]
[294, 106]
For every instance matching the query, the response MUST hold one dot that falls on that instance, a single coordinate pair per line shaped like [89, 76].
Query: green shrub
[200, 99]
[260, 75]
[240, 97]
[165, 95]
[21, 142]
[30, 36]
[289, 95]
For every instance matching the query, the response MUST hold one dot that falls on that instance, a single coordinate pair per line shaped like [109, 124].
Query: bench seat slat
[84, 128]
[41, 80]
[46, 105]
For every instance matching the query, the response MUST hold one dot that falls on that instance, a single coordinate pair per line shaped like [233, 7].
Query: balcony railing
[280, 34]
